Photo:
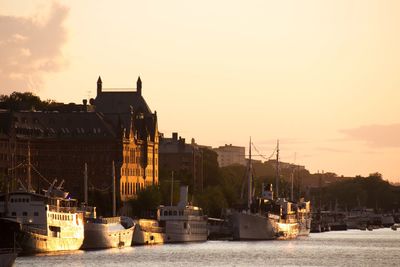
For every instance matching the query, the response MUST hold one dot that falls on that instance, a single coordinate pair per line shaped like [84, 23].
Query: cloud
[379, 136]
[30, 48]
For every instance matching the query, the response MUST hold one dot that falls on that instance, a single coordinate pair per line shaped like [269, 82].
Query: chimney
[99, 85]
[139, 86]
[183, 197]
[175, 136]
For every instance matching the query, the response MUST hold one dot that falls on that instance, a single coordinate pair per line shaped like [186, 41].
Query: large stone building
[116, 127]
[230, 155]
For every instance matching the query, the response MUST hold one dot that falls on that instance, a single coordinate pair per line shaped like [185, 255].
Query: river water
[346, 248]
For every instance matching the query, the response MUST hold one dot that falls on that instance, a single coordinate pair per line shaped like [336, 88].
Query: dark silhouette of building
[116, 126]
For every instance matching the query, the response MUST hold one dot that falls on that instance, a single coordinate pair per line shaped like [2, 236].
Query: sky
[320, 76]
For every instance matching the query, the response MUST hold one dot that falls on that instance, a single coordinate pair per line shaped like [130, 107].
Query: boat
[108, 232]
[7, 257]
[183, 222]
[304, 217]
[266, 217]
[41, 222]
[105, 232]
[148, 232]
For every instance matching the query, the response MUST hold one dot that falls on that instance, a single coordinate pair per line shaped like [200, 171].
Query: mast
[172, 187]
[29, 180]
[277, 171]
[85, 180]
[249, 180]
[113, 190]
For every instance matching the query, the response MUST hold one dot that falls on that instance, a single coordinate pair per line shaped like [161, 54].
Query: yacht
[148, 232]
[183, 222]
[41, 222]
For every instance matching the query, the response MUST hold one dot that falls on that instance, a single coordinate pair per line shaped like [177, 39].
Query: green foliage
[147, 200]
[212, 200]
[369, 192]
[24, 101]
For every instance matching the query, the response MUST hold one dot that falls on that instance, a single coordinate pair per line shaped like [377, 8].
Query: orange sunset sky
[321, 76]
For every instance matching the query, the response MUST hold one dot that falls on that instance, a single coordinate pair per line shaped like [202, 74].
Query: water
[347, 248]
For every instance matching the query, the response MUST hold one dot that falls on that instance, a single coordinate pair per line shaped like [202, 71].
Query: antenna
[249, 180]
[277, 170]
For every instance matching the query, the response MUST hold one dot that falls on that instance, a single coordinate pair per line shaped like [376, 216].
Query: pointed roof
[99, 80]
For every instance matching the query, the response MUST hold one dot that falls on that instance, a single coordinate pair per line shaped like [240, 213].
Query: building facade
[230, 155]
[117, 127]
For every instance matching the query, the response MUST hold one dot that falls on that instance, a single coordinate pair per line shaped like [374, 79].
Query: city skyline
[320, 77]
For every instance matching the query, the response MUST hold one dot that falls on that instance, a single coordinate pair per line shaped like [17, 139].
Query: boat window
[12, 200]
[24, 213]
[36, 213]
[175, 213]
[165, 213]
[170, 213]
[181, 213]
[184, 225]
[13, 213]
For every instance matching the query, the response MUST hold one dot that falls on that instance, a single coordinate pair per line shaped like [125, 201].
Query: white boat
[41, 223]
[105, 232]
[304, 217]
[148, 232]
[110, 232]
[184, 222]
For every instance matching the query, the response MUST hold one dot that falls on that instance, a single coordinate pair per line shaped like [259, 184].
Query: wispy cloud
[379, 136]
[29, 48]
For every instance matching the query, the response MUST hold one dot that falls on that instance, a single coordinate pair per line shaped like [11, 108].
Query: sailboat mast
[249, 181]
[172, 187]
[113, 190]
[86, 183]
[277, 171]
[29, 180]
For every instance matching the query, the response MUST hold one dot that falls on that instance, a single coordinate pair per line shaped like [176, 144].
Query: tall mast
[113, 190]
[29, 168]
[249, 181]
[86, 183]
[277, 171]
[172, 187]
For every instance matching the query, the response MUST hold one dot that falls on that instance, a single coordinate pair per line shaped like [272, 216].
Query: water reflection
[348, 248]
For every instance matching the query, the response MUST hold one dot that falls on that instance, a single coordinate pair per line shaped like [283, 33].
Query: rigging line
[101, 190]
[16, 167]
[40, 175]
[260, 155]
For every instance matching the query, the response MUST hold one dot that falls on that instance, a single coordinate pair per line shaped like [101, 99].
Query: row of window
[131, 188]
[16, 200]
[24, 214]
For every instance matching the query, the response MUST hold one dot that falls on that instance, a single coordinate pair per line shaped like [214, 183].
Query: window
[13, 213]
[24, 213]
[36, 213]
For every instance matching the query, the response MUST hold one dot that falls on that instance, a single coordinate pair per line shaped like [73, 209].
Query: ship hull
[195, 231]
[304, 227]
[37, 243]
[33, 240]
[146, 233]
[100, 236]
[288, 230]
[252, 227]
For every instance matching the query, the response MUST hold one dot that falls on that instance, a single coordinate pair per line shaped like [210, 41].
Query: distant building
[229, 155]
[285, 165]
[116, 126]
[177, 156]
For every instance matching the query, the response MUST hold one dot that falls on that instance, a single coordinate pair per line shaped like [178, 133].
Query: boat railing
[107, 220]
[63, 209]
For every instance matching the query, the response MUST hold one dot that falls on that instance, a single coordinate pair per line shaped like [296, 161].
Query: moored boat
[41, 222]
[148, 232]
